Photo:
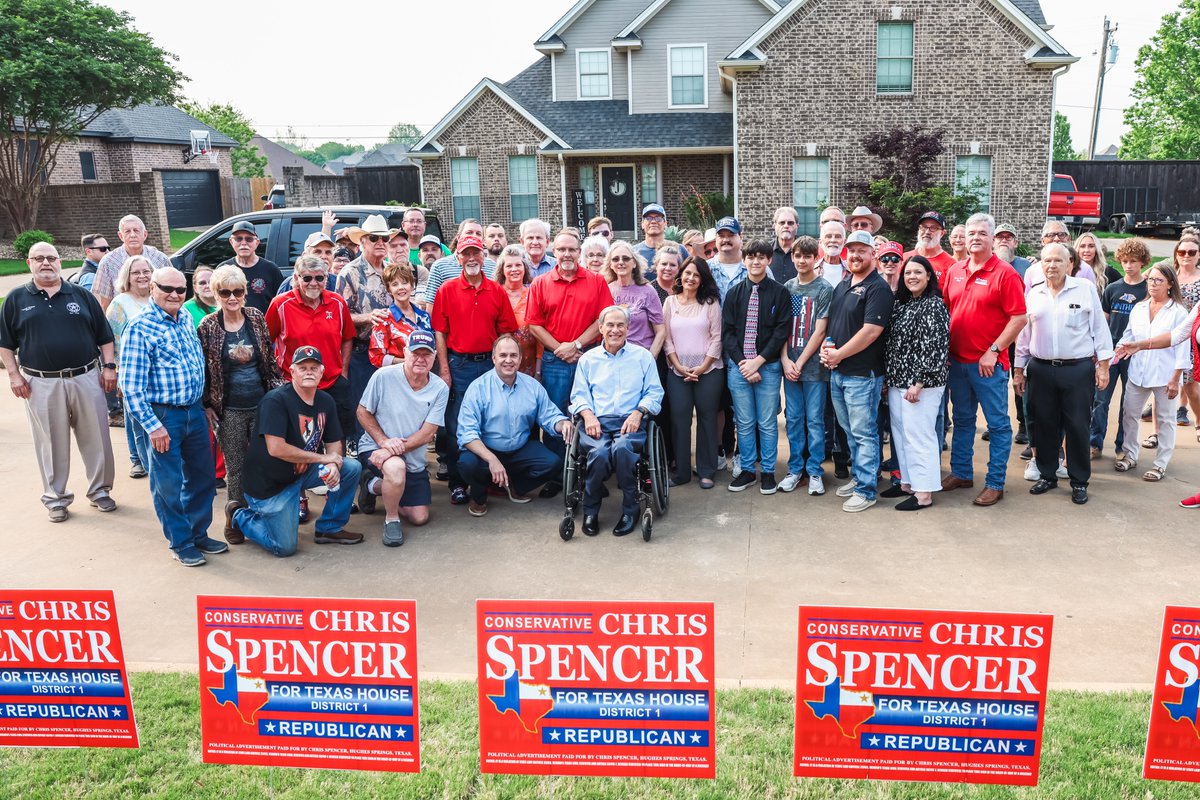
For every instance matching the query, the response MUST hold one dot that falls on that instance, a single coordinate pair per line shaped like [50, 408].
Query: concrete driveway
[1104, 570]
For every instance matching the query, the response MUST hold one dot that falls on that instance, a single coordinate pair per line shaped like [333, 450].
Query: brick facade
[122, 162]
[962, 47]
[68, 211]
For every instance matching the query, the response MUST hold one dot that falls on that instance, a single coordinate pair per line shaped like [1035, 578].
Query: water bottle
[324, 470]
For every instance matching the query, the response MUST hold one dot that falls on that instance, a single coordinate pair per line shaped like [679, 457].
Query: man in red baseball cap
[469, 313]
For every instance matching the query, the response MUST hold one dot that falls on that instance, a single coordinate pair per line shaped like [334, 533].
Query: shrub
[703, 210]
[28, 239]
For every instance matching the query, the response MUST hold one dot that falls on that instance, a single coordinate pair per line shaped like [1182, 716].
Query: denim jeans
[183, 479]
[1101, 403]
[138, 442]
[969, 392]
[613, 452]
[558, 377]
[463, 372]
[856, 403]
[273, 522]
[755, 407]
[805, 417]
[528, 467]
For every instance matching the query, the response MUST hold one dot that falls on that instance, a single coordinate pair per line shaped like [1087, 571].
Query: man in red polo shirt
[469, 313]
[986, 298]
[311, 315]
[931, 227]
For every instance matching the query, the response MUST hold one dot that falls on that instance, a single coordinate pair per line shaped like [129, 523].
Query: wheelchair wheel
[571, 479]
[647, 525]
[566, 528]
[656, 466]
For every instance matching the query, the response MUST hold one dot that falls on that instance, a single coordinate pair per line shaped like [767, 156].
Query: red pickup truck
[1071, 206]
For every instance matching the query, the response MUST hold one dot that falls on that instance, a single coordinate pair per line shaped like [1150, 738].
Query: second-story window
[688, 71]
[594, 80]
[894, 58]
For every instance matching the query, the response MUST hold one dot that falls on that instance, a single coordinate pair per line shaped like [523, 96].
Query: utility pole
[1105, 57]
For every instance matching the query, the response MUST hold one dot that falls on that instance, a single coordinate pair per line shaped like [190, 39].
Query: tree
[248, 161]
[1164, 120]
[322, 154]
[1064, 150]
[63, 63]
[404, 133]
[903, 188]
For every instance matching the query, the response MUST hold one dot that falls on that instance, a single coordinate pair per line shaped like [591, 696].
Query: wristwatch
[994, 348]
[578, 346]
[108, 365]
[642, 410]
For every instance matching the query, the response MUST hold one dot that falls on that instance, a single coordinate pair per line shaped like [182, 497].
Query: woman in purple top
[623, 271]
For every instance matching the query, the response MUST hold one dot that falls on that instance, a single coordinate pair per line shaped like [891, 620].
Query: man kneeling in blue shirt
[616, 388]
[494, 431]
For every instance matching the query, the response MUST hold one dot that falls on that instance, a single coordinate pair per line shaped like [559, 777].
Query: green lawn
[180, 238]
[1094, 747]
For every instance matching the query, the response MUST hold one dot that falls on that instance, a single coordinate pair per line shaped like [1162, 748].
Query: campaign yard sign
[901, 694]
[596, 688]
[322, 682]
[62, 671]
[1173, 742]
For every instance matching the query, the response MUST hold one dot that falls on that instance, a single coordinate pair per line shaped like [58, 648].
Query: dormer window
[688, 72]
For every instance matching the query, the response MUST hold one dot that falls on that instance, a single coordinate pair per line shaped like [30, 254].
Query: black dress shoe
[550, 490]
[626, 525]
[841, 470]
[1043, 485]
[1079, 495]
[1022, 436]
[366, 500]
[591, 524]
[893, 491]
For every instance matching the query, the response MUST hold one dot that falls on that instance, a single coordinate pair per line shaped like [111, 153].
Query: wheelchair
[653, 481]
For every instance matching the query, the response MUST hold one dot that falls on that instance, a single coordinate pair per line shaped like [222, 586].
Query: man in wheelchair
[615, 392]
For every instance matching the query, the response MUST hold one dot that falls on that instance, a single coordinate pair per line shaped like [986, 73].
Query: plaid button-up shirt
[161, 362]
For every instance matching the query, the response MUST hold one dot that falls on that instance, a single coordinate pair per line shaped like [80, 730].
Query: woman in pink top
[693, 347]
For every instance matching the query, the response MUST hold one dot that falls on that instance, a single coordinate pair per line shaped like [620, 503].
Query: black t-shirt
[1118, 301]
[282, 413]
[866, 303]
[262, 282]
[51, 333]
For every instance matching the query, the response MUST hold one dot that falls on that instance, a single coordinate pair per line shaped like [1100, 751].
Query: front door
[616, 192]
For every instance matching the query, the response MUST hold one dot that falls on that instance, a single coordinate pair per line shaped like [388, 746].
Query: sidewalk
[1105, 570]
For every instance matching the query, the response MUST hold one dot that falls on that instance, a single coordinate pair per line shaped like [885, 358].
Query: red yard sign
[596, 688]
[900, 694]
[309, 682]
[62, 671]
[1173, 743]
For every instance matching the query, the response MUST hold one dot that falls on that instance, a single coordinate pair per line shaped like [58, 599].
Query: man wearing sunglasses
[262, 277]
[162, 378]
[95, 247]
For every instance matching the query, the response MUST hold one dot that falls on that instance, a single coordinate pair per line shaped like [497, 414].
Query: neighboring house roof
[392, 154]
[1025, 14]
[592, 125]
[153, 123]
[658, 5]
[279, 157]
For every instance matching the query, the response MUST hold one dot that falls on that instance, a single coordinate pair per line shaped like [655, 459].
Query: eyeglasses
[605, 234]
[102, 249]
[244, 239]
[231, 292]
[45, 259]
[1188, 252]
[1058, 235]
[311, 278]
[373, 239]
[1156, 280]
[179, 290]
[622, 258]
[889, 259]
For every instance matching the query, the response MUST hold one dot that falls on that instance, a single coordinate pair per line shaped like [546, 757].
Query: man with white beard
[931, 227]
[1006, 247]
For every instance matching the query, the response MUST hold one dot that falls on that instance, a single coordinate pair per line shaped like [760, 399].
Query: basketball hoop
[213, 157]
[201, 146]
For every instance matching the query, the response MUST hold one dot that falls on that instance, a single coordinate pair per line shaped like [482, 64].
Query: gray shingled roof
[608, 125]
[279, 157]
[1032, 9]
[156, 123]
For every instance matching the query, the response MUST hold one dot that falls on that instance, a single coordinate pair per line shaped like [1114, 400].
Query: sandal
[1124, 463]
[1151, 442]
[1154, 474]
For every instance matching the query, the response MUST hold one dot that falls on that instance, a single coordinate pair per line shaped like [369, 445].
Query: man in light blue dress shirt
[616, 388]
[495, 422]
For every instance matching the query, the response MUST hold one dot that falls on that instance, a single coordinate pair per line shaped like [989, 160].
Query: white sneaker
[721, 463]
[320, 491]
[735, 468]
[790, 482]
[847, 489]
[857, 503]
[1061, 472]
[816, 485]
[1031, 471]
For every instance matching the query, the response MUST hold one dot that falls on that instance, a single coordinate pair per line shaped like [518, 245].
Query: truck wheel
[1115, 223]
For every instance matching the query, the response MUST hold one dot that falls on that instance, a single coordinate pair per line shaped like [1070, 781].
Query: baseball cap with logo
[429, 239]
[466, 242]
[1004, 227]
[729, 224]
[889, 248]
[307, 353]
[421, 340]
[932, 216]
[860, 237]
[653, 208]
[245, 226]
[315, 239]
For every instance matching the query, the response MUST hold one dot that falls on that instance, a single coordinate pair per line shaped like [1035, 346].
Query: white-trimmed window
[687, 74]
[974, 173]
[523, 187]
[464, 188]
[810, 189]
[649, 183]
[595, 74]
[894, 58]
[587, 184]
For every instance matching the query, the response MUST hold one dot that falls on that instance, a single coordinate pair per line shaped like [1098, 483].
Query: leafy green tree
[248, 161]
[1064, 150]
[62, 64]
[404, 133]
[1164, 120]
[322, 154]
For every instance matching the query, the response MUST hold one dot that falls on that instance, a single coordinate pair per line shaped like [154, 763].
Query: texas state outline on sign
[528, 702]
[244, 693]
[1185, 709]
[849, 710]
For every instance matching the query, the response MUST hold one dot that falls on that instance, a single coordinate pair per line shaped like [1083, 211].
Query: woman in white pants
[1154, 372]
[916, 366]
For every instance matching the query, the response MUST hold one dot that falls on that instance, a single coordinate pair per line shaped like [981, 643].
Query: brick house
[637, 101]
